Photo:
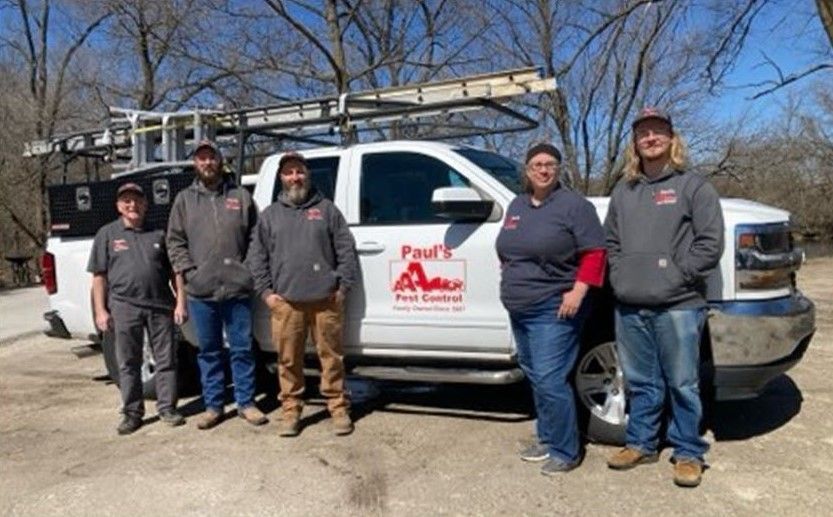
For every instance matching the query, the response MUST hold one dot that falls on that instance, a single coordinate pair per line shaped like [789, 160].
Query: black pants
[130, 322]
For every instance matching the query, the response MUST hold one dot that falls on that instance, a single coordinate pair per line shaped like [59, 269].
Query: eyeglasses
[543, 165]
[644, 133]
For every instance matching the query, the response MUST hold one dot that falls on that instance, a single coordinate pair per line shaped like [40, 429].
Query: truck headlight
[765, 257]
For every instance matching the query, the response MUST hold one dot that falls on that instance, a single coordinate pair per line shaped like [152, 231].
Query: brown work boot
[252, 415]
[628, 458]
[687, 473]
[341, 423]
[290, 424]
[209, 419]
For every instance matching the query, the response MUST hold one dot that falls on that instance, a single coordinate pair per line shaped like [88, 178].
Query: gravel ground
[417, 450]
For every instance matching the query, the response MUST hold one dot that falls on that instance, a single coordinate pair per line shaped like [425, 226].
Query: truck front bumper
[755, 341]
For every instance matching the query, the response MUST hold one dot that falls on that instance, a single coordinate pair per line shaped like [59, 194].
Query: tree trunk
[825, 8]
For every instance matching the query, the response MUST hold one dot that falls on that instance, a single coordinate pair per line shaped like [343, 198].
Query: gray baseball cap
[130, 187]
[208, 143]
[649, 112]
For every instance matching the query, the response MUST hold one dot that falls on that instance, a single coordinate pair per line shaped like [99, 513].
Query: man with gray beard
[303, 260]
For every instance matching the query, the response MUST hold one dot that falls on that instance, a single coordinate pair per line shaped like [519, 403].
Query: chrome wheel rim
[600, 384]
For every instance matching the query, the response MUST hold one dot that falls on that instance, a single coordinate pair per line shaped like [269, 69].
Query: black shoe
[129, 425]
[171, 417]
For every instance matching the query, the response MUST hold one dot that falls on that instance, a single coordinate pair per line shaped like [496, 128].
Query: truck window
[323, 174]
[396, 188]
[502, 169]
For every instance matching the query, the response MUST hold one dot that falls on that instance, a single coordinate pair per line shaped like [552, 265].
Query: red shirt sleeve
[591, 267]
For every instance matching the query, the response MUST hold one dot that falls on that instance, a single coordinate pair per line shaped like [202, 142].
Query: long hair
[633, 163]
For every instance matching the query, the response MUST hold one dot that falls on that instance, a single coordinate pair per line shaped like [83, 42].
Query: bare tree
[371, 44]
[785, 164]
[724, 58]
[47, 65]
[825, 9]
[163, 54]
[610, 58]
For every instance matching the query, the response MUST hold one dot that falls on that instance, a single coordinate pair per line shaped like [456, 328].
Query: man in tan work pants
[303, 260]
[290, 322]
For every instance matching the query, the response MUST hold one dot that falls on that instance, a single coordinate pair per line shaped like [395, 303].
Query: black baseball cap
[543, 147]
[648, 112]
[130, 187]
[289, 156]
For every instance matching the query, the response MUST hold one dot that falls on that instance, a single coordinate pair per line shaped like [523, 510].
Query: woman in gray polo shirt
[551, 249]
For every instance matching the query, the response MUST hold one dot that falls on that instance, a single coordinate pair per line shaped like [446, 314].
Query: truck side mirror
[460, 204]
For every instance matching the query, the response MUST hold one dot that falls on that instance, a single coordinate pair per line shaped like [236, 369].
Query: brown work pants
[290, 324]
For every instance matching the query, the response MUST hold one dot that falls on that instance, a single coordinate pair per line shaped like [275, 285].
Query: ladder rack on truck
[135, 139]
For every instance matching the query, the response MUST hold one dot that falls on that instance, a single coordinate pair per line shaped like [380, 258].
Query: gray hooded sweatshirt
[208, 235]
[663, 237]
[302, 252]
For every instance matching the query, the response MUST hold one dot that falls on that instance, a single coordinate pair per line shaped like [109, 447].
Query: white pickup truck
[425, 216]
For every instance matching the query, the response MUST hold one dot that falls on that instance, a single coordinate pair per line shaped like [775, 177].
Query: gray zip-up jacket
[663, 236]
[208, 236]
[302, 252]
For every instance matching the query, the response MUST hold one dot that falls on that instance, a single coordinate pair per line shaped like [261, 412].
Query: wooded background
[63, 62]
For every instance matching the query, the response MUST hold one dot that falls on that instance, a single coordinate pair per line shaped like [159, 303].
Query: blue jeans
[209, 318]
[547, 352]
[660, 355]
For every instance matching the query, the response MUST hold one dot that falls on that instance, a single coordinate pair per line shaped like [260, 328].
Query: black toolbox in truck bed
[80, 209]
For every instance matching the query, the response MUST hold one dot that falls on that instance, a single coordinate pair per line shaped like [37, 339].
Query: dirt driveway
[418, 450]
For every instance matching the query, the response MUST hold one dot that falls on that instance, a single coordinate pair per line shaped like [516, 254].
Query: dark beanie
[543, 147]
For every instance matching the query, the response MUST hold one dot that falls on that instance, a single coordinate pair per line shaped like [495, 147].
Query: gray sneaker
[535, 452]
[553, 467]
[172, 417]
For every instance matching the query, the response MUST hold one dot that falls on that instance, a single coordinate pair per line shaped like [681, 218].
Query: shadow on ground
[734, 420]
[740, 420]
[489, 403]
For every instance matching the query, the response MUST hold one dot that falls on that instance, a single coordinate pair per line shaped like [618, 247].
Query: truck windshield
[501, 168]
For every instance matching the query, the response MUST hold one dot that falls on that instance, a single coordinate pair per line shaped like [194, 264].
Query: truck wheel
[187, 372]
[600, 390]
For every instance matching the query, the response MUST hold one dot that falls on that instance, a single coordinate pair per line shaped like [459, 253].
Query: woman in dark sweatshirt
[551, 249]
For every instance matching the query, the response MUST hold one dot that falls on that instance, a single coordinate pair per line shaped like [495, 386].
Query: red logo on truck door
[428, 279]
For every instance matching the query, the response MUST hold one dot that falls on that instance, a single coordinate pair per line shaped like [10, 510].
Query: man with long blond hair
[664, 232]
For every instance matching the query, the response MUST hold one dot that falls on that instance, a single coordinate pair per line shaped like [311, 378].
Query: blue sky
[790, 34]
[787, 31]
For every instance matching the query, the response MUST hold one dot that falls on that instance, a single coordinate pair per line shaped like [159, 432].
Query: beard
[297, 194]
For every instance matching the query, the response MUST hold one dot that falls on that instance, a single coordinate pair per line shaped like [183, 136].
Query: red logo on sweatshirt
[665, 197]
[314, 214]
[232, 203]
[120, 245]
[511, 222]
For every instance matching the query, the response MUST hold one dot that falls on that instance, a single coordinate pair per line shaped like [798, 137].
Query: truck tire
[600, 392]
[187, 372]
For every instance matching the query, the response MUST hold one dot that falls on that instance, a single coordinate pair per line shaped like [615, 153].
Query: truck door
[429, 284]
